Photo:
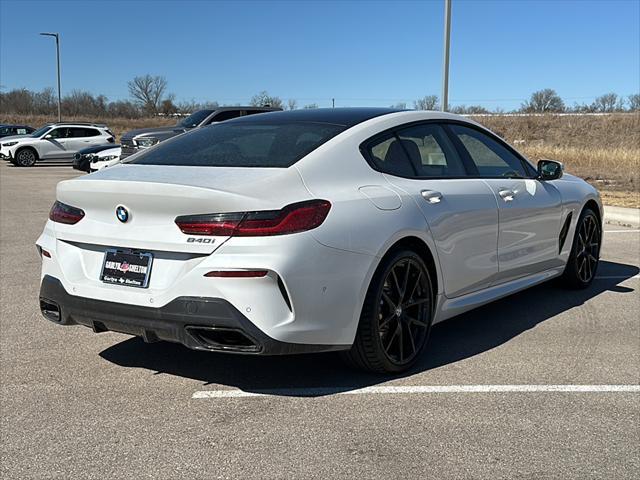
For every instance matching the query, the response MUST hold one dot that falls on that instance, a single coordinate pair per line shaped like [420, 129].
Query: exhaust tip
[50, 310]
[225, 339]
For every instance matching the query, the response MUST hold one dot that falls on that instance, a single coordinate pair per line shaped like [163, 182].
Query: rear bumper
[199, 323]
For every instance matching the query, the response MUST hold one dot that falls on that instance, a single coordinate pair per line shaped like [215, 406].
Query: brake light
[294, 218]
[63, 213]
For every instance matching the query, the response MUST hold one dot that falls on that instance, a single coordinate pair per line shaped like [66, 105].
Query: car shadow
[321, 374]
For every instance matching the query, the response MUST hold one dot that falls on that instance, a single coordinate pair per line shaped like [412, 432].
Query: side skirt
[450, 307]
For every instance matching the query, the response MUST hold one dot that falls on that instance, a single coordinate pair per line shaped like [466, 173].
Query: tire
[585, 252]
[27, 157]
[396, 315]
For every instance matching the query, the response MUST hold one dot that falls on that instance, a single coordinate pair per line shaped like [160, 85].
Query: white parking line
[418, 389]
[621, 231]
[615, 277]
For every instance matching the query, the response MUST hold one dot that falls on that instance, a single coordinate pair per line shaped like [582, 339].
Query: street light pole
[57, 36]
[444, 104]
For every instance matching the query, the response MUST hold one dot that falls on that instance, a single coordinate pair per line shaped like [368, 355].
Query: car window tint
[241, 145]
[490, 157]
[431, 151]
[77, 132]
[253, 112]
[389, 156]
[5, 131]
[227, 115]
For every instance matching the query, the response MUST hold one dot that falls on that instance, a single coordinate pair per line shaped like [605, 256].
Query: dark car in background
[11, 130]
[137, 140]
[84, 159]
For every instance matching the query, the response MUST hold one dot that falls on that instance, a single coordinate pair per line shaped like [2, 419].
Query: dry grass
[604, 150]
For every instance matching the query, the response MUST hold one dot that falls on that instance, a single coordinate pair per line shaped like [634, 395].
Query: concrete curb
[628, 217]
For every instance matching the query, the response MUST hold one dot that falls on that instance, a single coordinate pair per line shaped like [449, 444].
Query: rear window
[241, 145]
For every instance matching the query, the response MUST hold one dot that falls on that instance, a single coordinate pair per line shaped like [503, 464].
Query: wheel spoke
[416, 302]
[413, 343]
[406, 282]
[581, 268]
[387, 299]
[395, 281]
[390, 342]
[400, 341]
[415, 285]
[386, 321]
[415, 321]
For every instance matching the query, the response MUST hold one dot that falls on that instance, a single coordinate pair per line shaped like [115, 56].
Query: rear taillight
[294, 218]
[63, 213]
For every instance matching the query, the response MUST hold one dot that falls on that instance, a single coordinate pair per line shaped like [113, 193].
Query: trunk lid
[155, 195]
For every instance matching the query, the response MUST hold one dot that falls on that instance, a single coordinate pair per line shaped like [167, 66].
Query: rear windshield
[241, 145]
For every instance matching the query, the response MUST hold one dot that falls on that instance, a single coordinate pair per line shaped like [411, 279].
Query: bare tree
[609, 102]
[123, 108]
[634, 102]
[187, 107]
[167, 106]
[430, 102]
[310, 106]
[45, 102]
[263, 99]
[469, 110]
[148, 92]
[399, 106]
[543, 101]
[292, 104]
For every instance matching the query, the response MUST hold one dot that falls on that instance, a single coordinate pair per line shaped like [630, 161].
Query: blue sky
[360, 52]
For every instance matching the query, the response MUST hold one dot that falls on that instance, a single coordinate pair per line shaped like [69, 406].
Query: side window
[490, 157]
[389, 156]
[78, 132]
[431, 151]
[21, 131]
[226, 115]
[59, 133]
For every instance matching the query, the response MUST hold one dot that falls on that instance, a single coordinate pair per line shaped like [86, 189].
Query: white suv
[54, 142]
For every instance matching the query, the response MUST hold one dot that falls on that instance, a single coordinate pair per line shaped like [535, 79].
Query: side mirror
[47, 136]
[550, 170]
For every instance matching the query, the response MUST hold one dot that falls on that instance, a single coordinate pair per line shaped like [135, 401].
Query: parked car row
[54, 142]
[137, 140]
[91, 146]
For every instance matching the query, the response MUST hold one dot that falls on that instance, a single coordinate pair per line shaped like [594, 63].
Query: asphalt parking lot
[79, 405]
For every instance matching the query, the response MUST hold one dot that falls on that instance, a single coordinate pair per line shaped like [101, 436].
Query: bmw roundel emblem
[122, 213]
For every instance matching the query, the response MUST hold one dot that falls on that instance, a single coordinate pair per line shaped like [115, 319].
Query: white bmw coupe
[313, 230]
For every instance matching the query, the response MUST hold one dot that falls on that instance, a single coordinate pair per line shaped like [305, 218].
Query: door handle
[507, 195]
[431, 196]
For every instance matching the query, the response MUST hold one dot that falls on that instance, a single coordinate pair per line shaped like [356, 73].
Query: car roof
[346, 117]
[20, 125]
[76, 124]
[245, 107]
